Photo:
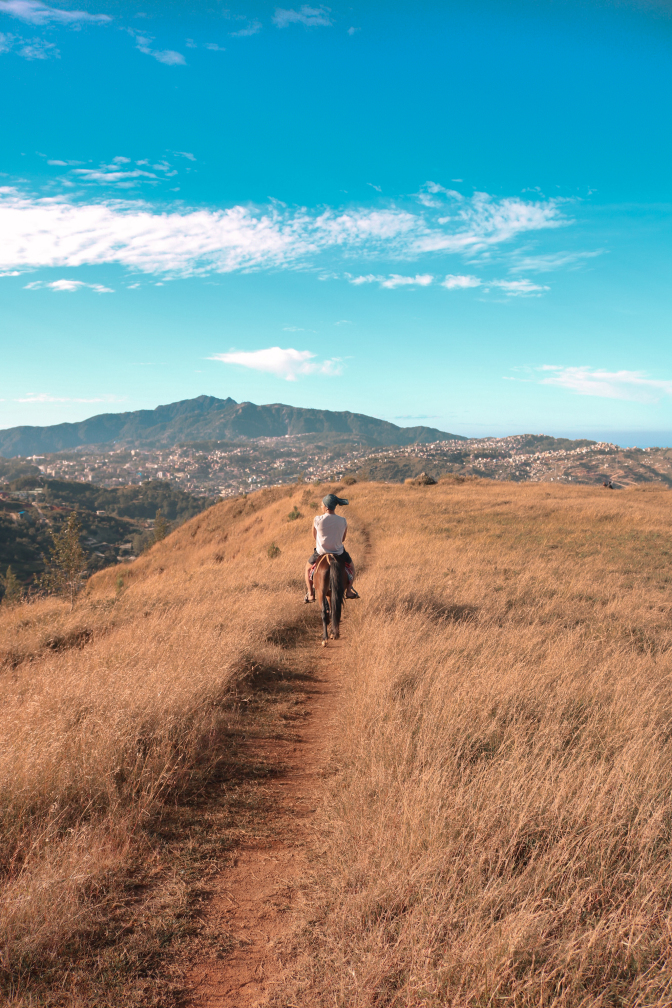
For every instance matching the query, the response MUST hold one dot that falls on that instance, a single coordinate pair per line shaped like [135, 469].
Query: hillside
[209, 418]
[116, 523]
[485, 807]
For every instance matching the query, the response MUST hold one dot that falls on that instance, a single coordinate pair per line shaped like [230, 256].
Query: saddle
[349, 570]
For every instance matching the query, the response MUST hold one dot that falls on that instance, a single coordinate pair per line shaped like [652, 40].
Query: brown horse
[329, 580]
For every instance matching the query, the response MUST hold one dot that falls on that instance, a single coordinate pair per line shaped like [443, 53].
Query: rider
[329, 532]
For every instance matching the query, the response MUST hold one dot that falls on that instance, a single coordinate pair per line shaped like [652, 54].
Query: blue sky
[455, 214]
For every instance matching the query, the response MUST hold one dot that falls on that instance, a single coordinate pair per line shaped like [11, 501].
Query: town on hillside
[226, 469]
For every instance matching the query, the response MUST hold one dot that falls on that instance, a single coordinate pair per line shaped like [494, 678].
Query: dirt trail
[256, 901]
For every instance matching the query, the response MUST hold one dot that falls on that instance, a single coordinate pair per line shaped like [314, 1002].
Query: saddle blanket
[349, 570]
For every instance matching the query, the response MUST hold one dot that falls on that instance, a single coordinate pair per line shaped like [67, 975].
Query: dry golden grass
[497, 827]
[500, 815]
[111, 711]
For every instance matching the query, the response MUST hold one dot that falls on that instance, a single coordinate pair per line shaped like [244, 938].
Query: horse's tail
[336, 589]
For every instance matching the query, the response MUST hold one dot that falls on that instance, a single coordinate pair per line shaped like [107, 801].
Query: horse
[329, 579]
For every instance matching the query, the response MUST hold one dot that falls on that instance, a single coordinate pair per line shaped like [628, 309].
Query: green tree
[161, 527]
[67, 562]
[13, 592]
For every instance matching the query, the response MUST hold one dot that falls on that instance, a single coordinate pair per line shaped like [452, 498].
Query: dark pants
[344, 556]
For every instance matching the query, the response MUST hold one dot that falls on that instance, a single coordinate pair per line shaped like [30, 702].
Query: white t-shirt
[330, 531]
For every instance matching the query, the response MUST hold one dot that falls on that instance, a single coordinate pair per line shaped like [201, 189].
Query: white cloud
[38, 13]
[109, 175]
[516, 288]
[184, 154]
[310, 16]
[287, 363]
[629, 385]
[251, 29]
[167, 56]
[39, 49]
[118, 175]
[56, 232]
[394, 280]
[11, 273]
[546, 263]
[67, 285]
[214, 47]
[459, 281]
[353, 31]
[34, 48]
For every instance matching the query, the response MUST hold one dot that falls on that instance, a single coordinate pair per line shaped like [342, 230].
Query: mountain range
[209, 418]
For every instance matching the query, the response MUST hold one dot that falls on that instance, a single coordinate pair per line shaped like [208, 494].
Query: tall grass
[497, 826]
[500, 815]
[110, 711]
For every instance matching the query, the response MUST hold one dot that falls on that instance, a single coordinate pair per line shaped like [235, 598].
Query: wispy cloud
[34, 12]
[67, 285]
[286, 363]
[393, 280]
[312, 17]
[459, 281]
[554, 261]
[251, 29]
[31, 49]
[519, 288]
[120, 173]
[55, 231]
[168, 56]
[629, 385]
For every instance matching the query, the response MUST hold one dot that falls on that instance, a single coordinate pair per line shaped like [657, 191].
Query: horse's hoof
[324, 643]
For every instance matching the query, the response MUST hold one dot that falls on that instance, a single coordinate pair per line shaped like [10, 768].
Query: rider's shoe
[351, 593]
[307, 598]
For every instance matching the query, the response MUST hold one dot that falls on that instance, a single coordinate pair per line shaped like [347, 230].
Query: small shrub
[273, 551]
[349, 480]
[294, 514]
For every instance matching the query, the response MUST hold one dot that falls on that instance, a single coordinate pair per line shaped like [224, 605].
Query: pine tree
[13, 592]
[67, 561]
[161, 527]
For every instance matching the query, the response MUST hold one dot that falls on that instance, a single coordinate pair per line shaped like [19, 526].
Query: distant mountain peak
[209, 418]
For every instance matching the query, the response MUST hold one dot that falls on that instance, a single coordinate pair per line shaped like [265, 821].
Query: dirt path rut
[257, 900]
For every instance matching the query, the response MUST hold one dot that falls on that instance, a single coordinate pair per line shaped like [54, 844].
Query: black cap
[331, 501]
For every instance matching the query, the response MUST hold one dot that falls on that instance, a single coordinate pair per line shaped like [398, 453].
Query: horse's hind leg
[325, 621]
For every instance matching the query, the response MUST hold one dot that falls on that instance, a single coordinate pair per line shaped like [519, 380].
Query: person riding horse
[329, 532]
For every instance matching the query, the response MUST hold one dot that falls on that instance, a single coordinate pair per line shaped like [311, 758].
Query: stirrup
[354, 594]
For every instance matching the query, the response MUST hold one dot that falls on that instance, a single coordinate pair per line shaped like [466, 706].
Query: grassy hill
[495, 826]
